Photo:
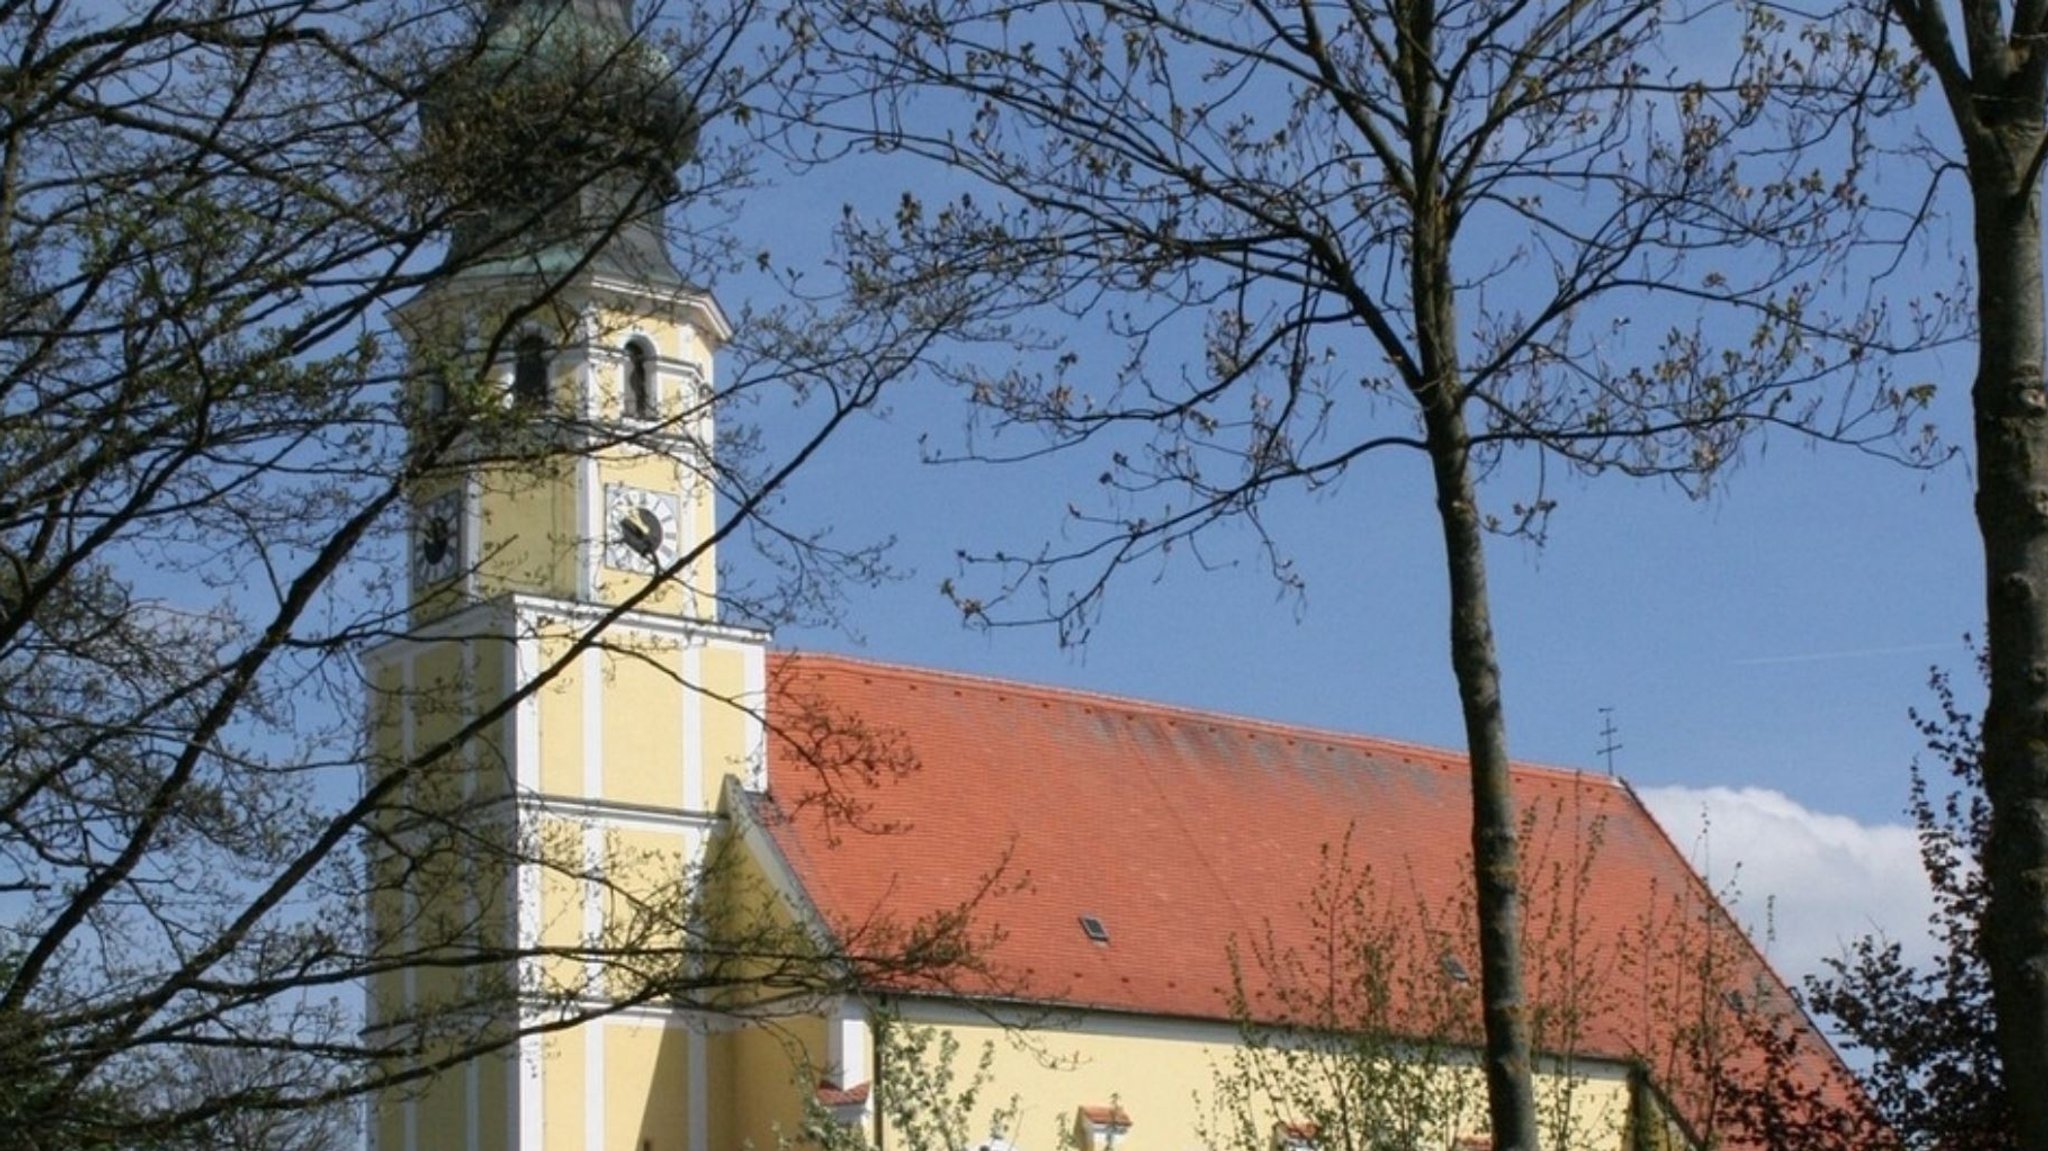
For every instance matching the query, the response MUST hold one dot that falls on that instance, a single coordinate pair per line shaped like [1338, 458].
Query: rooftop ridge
[1446, 758]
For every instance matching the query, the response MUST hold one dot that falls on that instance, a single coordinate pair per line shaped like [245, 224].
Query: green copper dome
[558, 135]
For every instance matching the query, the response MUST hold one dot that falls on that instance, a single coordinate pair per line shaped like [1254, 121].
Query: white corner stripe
[593, 906]
[529, 1065]
[515, 1118]
[472, 533]
[589, 528]
[756, 706]
[525, 649]
[700, 1091]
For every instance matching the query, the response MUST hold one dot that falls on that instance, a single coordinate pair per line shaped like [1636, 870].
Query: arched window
[639, 397]
[530, 371]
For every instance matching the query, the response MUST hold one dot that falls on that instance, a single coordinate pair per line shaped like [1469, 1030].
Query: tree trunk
[1510, 1095]
[2012, 514]
[1511, 1099]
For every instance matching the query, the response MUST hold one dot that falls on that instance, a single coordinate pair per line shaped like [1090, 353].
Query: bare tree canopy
[1611, 232]
[208, 438]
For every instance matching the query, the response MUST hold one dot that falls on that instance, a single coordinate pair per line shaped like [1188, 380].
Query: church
[659, 886]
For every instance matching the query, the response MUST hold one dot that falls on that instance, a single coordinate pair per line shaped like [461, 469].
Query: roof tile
[1189, 834]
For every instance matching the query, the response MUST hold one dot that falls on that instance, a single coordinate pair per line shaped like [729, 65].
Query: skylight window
[1454, 968]
[1094, 930]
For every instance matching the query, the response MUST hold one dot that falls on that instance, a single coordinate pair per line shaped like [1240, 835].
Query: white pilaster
[699, 1093]
[753, 713]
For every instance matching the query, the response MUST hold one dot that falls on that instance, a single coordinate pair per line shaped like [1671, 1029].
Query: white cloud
[1816, 881]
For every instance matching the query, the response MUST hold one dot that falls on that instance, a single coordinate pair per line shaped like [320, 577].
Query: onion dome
[556, 134]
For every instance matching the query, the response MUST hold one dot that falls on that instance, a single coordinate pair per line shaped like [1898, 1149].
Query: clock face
[642, 528]
[437, 539]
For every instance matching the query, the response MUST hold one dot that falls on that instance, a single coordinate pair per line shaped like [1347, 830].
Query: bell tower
[555, 722]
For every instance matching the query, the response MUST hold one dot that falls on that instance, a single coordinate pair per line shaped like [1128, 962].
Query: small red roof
[1105, 1115]
[1133, 846]
[833, 1095]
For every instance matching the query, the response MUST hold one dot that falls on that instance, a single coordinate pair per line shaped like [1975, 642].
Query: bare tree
[1323, 232]
[1362, 1040]
[208, 438]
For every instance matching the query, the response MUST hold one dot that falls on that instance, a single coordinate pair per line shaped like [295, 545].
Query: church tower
[552, 727]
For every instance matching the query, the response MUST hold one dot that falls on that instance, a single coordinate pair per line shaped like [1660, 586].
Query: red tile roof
[1186, 834]
[833, 1095]
[1105, 1115]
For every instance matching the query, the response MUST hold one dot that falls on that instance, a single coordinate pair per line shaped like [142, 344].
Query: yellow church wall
[726, 722]
[386, 712]
[443, 871]
[493, 1074]
[645, 899]
[387, 1121]
[440, 706]
[442, 1106]
[646, 1097]
[645, 868]
[1168, 1084]
[439, 1112]
[612, 325]
[723, 1127]
[1163, 1073]
[564, 1088]
[1589, 1102]
[760, 1074]
[530, 514]
[386, 990]
[562, 704]
[643, 721]
[490, 657]
[561, 919]
[766, 1096]
[704, 572]
[439, 694]
[642, 468]
[425, 894]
